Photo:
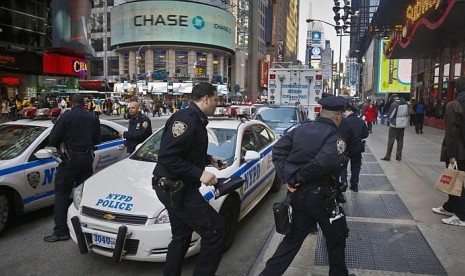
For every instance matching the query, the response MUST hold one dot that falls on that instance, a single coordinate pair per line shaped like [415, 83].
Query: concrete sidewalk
[393, 230]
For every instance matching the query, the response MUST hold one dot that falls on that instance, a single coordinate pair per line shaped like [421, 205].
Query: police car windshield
[221, 144]
[15, 139]
[277, 117]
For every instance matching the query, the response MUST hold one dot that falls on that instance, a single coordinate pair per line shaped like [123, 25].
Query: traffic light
[334, 67]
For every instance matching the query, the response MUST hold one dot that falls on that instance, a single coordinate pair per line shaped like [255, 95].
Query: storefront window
[181, 64]
[113, 63]
[159, 65]
[201, 63]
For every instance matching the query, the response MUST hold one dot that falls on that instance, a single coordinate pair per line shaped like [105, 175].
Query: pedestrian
[398, 121]
[77, 132]
[412, 113]
[309, 170]
[140, 128]
[181, 160]
[355, 148]
[13, 110]
[453, 151]
[370, 115]
[420, 116]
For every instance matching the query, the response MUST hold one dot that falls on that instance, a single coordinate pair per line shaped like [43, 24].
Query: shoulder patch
[178, 128]
[145, 124]
[340, 146]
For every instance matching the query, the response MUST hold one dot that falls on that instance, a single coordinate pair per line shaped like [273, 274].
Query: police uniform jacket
[360, 130]
[140, 128]
[347, 133]
[183, 149]
[298, 161]
[77, 129]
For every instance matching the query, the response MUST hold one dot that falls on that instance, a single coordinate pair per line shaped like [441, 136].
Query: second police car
[26, 182]
[117, 213]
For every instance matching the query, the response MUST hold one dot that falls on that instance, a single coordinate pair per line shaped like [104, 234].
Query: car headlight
[77, 195]
[163, 217]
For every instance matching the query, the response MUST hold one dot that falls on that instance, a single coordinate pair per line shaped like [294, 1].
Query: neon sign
[420, 8]
[80, 67]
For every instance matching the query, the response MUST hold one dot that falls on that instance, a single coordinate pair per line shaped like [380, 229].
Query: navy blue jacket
[347, 133]
[360, 130]
[78, 129]
[310, 153]
[183, 149]
[140, 128]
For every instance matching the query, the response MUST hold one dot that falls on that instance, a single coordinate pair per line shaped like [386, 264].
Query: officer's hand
[292, 188]
[218, 163]
[208, 179]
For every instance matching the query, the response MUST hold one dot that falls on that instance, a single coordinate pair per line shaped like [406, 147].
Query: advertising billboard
[172, 22]
[64, 65]
[393, 74]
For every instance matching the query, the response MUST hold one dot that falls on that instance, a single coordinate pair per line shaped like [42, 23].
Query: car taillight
[317, 109]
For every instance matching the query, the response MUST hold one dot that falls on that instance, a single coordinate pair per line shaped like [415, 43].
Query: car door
[109, 151]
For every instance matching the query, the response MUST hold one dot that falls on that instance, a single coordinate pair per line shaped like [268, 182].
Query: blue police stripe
[26, 166]
[37, 197]
[257, 184]
[110, 144]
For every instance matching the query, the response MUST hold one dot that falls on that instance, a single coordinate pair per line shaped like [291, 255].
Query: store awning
[427, 34]
[97, 85]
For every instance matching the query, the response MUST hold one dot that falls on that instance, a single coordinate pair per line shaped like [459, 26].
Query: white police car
[117, 214]
[26, 182]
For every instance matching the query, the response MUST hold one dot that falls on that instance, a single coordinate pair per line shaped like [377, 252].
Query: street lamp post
[137, 66]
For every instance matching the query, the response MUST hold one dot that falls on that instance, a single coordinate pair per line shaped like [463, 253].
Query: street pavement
[393, 230]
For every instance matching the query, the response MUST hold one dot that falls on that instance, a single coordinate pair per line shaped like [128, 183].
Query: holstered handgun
[333, 195]
[175, 190]
[63, 152]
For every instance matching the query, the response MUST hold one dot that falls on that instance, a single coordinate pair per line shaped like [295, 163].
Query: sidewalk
[393, 230]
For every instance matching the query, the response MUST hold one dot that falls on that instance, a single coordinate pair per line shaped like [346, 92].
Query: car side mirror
[251, 155]
[45, 153]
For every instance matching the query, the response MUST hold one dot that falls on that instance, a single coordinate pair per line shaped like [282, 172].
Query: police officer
[360, 130]
[140, 127]
[77, 131]
[309, 171]
[183, 157]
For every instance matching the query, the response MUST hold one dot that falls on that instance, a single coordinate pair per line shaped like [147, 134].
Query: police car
[117, 214]
[26, 182]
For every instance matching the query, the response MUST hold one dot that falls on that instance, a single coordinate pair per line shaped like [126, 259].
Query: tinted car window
[249, 141]
[108, 133]
[263, 136]
[278, 116]
[15, 139]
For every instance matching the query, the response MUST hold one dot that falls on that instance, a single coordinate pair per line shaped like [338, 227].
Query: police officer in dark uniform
[181, 163]
[140, 127]
[360, 130]
[310, 171]
[76, 132]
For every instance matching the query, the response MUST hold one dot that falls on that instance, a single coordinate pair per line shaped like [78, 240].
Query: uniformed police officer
[309, 171]
[183, 157]
[140, 127]
[77, 131]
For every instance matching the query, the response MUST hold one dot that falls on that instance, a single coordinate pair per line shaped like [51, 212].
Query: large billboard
[172, 22]
[394, 75]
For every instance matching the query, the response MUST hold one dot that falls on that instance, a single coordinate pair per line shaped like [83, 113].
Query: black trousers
[456, 204]
[355, 167]
[70, 172]
[308, 209]
[197, 215]
[419, 123]
[396, 134]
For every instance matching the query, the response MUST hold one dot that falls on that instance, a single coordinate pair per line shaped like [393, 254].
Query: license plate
[103, 241]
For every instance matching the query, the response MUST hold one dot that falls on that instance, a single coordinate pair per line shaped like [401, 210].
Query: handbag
[283, 215]
[450, 181]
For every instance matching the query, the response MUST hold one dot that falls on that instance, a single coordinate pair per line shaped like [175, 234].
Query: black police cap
[352, 108]
[325, 95]
[336, 103]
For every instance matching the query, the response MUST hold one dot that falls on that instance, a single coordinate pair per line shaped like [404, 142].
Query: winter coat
[370, 113]
[398, 114]
[453, 145]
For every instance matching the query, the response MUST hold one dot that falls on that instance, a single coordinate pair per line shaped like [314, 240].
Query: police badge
[33, 179]
[178, 128]
[340, 146]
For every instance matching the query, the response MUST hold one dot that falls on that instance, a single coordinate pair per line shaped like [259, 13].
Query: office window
[201, 63]
[97, 67]
[181, 62]
[113, 66]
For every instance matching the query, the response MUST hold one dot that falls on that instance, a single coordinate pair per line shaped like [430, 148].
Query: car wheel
[4, 211]
[276, 184]
[230, 212]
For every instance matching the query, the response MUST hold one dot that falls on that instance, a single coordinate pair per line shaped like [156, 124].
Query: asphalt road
[23, 251]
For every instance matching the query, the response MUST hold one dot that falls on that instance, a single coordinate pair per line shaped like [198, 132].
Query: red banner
[64, 65]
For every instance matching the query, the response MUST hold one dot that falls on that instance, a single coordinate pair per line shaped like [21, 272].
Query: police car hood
[124, 187]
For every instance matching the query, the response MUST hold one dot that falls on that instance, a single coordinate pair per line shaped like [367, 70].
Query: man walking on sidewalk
[398, 121]
[453, 151]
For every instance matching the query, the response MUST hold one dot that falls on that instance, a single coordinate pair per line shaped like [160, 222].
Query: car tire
[4, 211]
[276, 186]
[230, 212]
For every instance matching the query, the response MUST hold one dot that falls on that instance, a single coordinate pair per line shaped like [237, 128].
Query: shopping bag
[450, 181]
[283, 215]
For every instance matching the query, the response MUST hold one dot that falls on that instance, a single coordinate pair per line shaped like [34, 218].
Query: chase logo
[198, 22]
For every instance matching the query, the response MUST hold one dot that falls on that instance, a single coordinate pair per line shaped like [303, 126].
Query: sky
[323, 10]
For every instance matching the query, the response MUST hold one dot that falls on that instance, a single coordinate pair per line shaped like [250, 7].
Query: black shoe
[54, 238]
[398, 158]
[421, 132]
[354, 189]
[386, 159]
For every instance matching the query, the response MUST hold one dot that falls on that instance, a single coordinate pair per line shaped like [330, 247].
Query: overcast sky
[323, 10]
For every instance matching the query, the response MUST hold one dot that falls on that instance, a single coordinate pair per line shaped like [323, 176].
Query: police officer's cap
[336, 103]
[352, 108]
[325, 95]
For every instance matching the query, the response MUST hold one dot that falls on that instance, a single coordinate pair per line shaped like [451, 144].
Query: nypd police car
[26, 182]
[117, 214]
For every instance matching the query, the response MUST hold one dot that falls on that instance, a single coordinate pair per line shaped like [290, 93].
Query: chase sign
[172, 22]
